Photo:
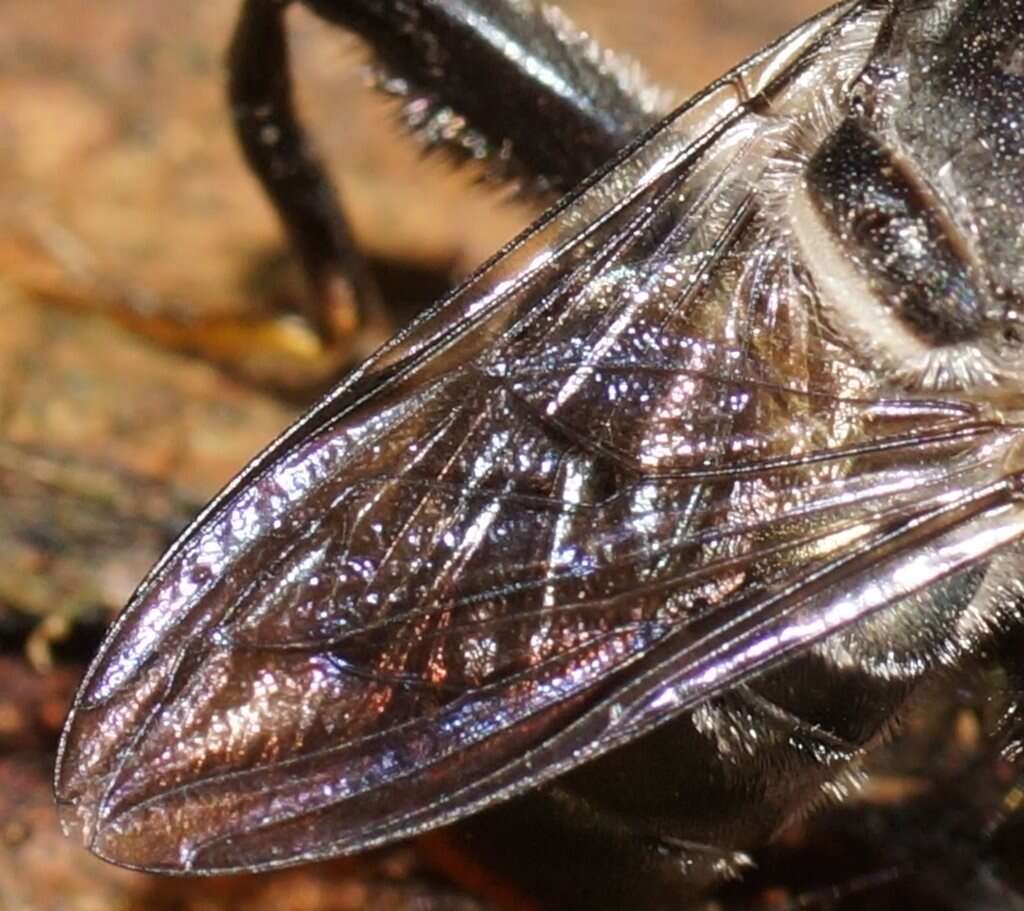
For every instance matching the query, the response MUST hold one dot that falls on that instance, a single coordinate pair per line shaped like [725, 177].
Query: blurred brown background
[145, 353]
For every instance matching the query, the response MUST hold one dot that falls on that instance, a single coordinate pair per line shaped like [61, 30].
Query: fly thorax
[908, 215]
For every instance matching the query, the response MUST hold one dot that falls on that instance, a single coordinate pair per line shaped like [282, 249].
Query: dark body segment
[887, 226]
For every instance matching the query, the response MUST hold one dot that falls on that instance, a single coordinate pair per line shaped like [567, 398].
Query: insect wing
[618, 471]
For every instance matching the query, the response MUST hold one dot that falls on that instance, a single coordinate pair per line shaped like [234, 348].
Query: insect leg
[516, 84]
[279, 152]
[552, 108]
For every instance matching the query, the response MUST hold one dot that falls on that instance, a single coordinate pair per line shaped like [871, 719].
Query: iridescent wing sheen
[627, 465]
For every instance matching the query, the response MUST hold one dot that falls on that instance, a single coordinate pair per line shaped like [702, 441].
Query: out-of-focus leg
[344, 294]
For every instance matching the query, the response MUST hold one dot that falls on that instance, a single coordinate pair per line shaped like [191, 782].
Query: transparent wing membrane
[624, 468]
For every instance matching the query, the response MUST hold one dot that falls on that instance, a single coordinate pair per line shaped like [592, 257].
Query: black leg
[509, 81]
[512, 84]
[277, 149]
